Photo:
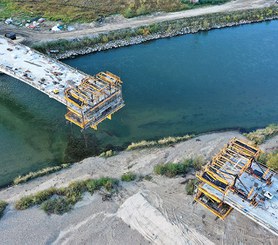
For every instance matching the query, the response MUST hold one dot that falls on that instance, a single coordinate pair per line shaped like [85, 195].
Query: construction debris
[89, 99]
[235, 179]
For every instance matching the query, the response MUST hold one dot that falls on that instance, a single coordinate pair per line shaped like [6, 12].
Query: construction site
[89, 99]
[234, 179]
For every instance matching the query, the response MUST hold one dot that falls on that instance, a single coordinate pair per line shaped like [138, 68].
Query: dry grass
[3, 206]
[61, 200]
[87, 10]
[162, 142]
[261, 135]
[42, 172]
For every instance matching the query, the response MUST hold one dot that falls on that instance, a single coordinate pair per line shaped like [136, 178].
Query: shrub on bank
[3, 206]
[61, 200]
[261, 135]
[174, 169]
[36, 199]
[191, 186]
[270, 159]
[128, 177]
[198, 162]
[58, 205]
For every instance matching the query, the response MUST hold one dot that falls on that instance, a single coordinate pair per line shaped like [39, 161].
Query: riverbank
[131, 36]
[118, 22]
[164, 199]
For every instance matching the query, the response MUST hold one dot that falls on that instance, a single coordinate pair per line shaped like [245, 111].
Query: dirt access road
[121, 23]
[155, 211]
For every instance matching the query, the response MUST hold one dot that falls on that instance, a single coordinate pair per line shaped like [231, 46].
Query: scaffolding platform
[235, 179]
[89, 99]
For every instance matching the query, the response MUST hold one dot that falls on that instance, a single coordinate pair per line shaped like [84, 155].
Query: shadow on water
[29, 142]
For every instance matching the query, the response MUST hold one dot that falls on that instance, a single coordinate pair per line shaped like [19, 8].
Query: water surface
[190, 84]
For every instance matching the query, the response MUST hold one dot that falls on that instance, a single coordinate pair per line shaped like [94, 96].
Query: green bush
[198, 162]
[128, 13]
[174, 169]
[272, 161]
[53, 199]
[24, 203]
[129, 176]
[269, 159]
[36, 199]
[3, 206]
[190, 186]
[171, 169]
[142, 10]
[58, 205]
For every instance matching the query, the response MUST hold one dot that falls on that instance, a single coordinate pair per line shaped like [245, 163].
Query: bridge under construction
[89, 99]
[235, 179]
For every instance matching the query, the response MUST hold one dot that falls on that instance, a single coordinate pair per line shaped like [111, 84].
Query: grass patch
[88, 10]
[3, 206]
[197, 162]
[61, 200]
[261, 135]
[191, 186]
[128, 177]
[173, 169]
[58, 205]
[270, 159]
[161, 142]
[42, 172]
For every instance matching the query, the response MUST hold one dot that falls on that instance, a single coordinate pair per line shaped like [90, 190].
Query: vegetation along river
[189, 84]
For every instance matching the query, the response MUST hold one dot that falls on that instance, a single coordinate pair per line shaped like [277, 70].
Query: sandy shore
[143, 212]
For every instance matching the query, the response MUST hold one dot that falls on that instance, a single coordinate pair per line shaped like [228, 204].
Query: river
[216, 80]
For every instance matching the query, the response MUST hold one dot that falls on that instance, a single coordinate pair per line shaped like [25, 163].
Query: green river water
[196, 83]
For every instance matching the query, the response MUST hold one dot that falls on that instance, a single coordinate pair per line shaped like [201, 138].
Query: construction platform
[235, 179]
[89, 99]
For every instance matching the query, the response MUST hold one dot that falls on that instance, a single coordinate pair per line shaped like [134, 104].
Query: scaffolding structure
[235, 179]
[89, 99]
[95, 99]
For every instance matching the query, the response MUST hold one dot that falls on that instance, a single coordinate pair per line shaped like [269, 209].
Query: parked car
[11, 35]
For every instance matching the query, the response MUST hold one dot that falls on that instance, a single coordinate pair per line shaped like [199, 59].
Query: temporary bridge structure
[235, 179]
[89, 99]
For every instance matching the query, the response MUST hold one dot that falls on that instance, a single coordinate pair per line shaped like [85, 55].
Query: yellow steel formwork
[94, 99]
[221, 172]
[89, 99]
[218, 210]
